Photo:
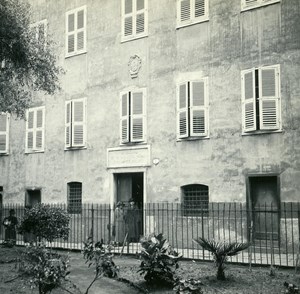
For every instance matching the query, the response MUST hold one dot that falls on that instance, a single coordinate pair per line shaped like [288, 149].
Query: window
[134, 19]
[35, 122]
[195, 200]
[261, 99]
[76, 31]
[40, 29]
[192, 109]
[249, 4]
[191, 12]
[74, 197]
[75, 123]
[133, 116]
[4, 133]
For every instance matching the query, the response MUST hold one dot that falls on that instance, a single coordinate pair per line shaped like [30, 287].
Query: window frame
[134, 13]
[192, 20]
[190, 135]
[259, 100]
[34, 149]
[35, 26]
[260, 3]
[71, 207]
[6, 133]
[67, 33]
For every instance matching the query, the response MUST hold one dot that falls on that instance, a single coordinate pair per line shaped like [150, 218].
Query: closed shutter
[269, 98]
[39, 129]
[184, 10]
[128, 18]
[80, 30]
[200, 7]
[198, 108]
[78, 123]
[249, 3]
[182, 110]
[124, 117]
[4, 133]
[137, 116]
[70, 33]
[30, 139]
[68, 116]
[248, 100]
[140, 16]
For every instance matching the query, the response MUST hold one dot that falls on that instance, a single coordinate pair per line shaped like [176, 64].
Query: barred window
[74, 197]
[195, 200]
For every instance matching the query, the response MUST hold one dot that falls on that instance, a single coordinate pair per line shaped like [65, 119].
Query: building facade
[179, 101]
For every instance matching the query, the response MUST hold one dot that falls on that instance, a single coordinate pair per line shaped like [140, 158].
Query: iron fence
[272, 230]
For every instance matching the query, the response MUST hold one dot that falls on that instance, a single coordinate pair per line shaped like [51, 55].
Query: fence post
[92, 228]
[109, 224]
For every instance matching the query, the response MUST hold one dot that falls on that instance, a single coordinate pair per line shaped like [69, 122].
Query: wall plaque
[134, 65]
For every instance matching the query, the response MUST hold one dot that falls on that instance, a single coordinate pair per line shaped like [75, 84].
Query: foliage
[221, 251]
[291, 288]
[188, 286]
[99, 256]
[45, 221]
[27, 63]
[45, 270]
[159, 260]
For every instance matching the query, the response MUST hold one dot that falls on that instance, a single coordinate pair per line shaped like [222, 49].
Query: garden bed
[239, 278]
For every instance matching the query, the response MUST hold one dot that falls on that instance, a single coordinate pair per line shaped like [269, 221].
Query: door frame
[250, 219]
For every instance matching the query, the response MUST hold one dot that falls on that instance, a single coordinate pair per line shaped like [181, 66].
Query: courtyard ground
[239, 278]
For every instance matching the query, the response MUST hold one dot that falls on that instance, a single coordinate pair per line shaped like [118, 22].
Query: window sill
[262, 132]
[192, 139]
[75, 54]
[259, 5]
[4, 154]
[132, 38]
[34, 151]
[75, 148]
[190, 23]
[132, 144]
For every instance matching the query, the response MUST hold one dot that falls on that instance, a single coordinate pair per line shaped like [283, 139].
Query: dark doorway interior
[266, 207]
[32, 197]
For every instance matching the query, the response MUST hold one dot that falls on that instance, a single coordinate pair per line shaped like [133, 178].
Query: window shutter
[128, 18]
[140, 16]
[124, 118]
[80, 30]
[30, 139]
[184, 10]
[78, 123]
[248, 100]
[249, 3]
[137, 130]
[68, 117]
[4, 133]
[269, 98]
[200, 8]
[182, 110]
[39, 129]
[71, 33]
[198, 108]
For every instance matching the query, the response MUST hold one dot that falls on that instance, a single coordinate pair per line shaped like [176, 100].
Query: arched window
[74, 197]
[195, 199]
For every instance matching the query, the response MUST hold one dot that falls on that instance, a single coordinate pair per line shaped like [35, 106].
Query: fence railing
[272, 230]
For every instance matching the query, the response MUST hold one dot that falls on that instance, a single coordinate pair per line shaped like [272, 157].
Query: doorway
[32, 197]
[130, 192]
[265, 202]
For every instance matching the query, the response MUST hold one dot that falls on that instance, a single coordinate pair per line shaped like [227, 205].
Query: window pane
[74, 197]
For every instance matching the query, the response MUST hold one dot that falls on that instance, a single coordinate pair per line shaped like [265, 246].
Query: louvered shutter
[198, 108]
[4, 133]
[200, 8]
[68, 124]
[140, 17]
[248, 100]
[269, 98]
[137, 112]
[184, 10]
[128, 18]
[124, 117]
[30, 139]
[80, 34]
[70, 33]
[78, 123]
[39, 129]
[249, 3]
[182, 110]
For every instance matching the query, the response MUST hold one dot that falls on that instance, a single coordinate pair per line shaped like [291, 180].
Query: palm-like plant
[221, 251]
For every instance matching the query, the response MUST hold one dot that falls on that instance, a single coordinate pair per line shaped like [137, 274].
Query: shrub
[189, 286]
[45, 222]
[159, 260]
[45, 270]
[221, 251]
[99, 256]
[291, 288]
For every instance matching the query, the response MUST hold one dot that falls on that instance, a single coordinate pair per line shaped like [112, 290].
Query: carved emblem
[134, 65]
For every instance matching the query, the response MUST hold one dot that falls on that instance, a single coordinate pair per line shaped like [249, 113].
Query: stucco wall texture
[230, 41]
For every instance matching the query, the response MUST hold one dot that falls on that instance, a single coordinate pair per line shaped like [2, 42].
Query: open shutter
[4, 133]
[137, 112]
[78, 123]
[124, 117]
[68, 125]
[140, 16]
[182, 110]
[127, 18]
[248, 100]
[30, 139]
[70, 33]
[184, 10]
[269, 98]
[80, 33]
[39, 129]
[198, 108]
